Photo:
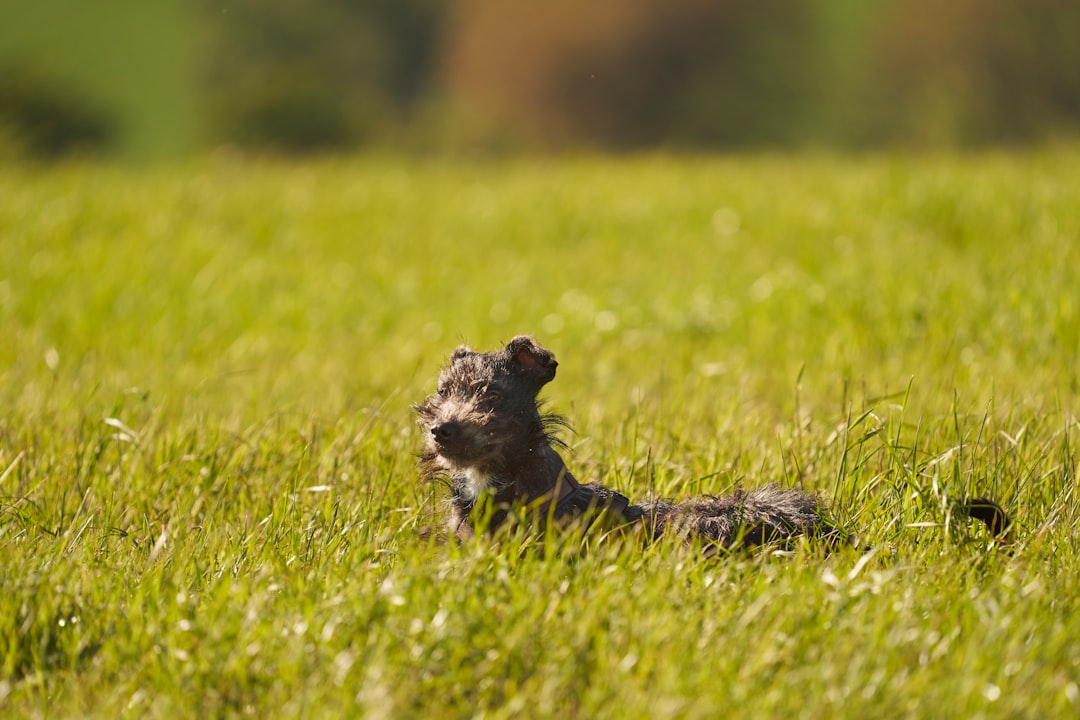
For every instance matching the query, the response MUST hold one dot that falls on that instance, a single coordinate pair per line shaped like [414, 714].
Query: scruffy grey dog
[486, 433]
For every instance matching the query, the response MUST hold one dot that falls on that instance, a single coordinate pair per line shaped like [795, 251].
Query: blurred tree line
[321, 74]
[606, 74]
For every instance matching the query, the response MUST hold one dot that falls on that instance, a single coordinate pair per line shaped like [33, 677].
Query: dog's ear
[533, 361]
[460, 352]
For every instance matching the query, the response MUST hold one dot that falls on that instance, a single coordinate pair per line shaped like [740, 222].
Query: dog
[487, 434]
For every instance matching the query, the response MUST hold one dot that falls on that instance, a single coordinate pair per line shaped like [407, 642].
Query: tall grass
[208, 500]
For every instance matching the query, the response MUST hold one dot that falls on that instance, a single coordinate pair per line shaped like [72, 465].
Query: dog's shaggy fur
[486, 433]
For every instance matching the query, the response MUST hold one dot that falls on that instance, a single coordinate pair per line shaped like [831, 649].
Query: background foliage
[175, 77]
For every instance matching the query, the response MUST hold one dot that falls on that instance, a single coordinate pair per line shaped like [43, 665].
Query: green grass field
[208, 493]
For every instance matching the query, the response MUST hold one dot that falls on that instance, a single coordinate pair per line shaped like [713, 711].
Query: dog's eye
[492, 396]
[443, 392]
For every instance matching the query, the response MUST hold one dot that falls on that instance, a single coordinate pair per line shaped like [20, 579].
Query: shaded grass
[209, 506]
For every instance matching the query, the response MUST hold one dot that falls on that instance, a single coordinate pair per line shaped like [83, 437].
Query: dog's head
[484, 412]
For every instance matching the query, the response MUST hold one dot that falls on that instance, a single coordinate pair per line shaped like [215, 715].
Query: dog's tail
[992, 514]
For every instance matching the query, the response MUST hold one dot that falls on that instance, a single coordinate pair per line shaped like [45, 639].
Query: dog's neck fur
[538, 476]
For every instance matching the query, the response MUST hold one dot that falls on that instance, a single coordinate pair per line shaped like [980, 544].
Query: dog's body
[485, 432]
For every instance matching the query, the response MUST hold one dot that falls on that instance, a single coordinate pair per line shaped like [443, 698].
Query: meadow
[209, 502]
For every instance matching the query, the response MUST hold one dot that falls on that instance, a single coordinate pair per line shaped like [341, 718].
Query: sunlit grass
[208, 500]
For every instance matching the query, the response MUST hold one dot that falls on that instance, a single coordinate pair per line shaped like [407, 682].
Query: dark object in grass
[990, 513]
[486, 433]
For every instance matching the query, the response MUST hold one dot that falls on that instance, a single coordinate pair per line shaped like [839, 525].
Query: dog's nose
[444, 432]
